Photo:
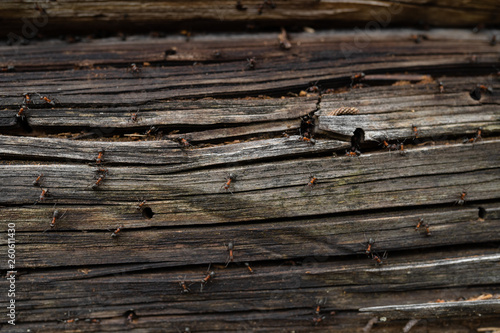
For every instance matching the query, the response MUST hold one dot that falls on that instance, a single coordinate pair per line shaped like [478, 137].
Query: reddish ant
[461, 200]
[419, 224]
[151, 131]
[441, 87]
[476, 137]
[229, 180]
[141, 205]
[318, 319]
[133, 117]
[427, 231]
[47, 100]
[378, 260]
[305, 139]
[56, 215]
[21, 113]
[44, 194]
[133, 69]
[485, 89]
[312, 182]
[101, 177]
[36, 182]
[206, 279]
[100, 155]
[230, 248]
[415, 131]
[185, 287]
[369, 246]
[352, 153]
[357, 78]
[249, 268]
[27, 98]
[115, 233]
[183, 142]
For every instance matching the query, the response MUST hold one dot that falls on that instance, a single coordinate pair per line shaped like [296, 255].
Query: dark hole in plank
[481, 212]
[148, 213]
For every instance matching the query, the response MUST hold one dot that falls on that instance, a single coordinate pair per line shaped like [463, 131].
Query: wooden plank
[133, 15]
[439, 310]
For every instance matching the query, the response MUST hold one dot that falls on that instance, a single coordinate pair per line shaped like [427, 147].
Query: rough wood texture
[306, 245]
[75, 16]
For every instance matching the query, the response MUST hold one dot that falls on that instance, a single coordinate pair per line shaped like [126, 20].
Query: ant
[356, 78]
[352, 153]
[55, 216]
[318, 319]
[476, 137]
[369, 246]
[284, 42]
[134, 116]
[378, 260]
[229, 180]
[47, 100]
[249, 268]
[206, 279]
[461, 200]
[305, 139]
[133, 69]
[151, 131]
[141, 205]
[183, 142]
[427, 230]
[441, 87]
[185, 287]
[44, 194]
[115, 233]
[27, 98]
[312, 182]
[415, 131]
[100, 155]
[101, 177]
[269, 3]
[485, 89]
[419, 224]
[36, 182]
[230, 248]
[21, 113]
[418, 38]
[240, 7]
[493, 40]
[251, 62]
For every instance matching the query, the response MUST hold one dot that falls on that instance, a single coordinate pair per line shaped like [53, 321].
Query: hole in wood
[481, 213]
[358, 138]
[476, 94]
[147, 212]
[130, 316]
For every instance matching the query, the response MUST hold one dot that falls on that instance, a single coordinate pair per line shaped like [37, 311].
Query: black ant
[133, 69]
[251, 62]
[269, 3]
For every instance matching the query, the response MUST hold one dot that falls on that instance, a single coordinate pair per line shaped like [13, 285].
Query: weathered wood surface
[125, 16]
[306, 245]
